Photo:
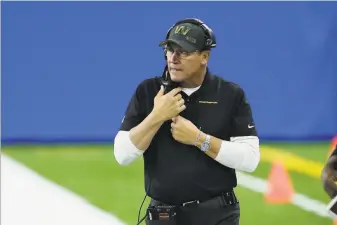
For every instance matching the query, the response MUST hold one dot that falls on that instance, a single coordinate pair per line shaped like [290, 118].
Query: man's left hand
[184, 130]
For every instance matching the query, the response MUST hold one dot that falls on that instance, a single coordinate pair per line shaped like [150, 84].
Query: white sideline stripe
[304, 202]
[29, 199]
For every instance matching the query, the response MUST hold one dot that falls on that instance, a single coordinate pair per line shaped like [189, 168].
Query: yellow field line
[292, 161]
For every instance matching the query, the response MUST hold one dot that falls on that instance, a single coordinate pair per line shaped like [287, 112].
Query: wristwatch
[206, 144]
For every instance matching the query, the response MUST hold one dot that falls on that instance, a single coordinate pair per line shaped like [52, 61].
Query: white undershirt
[189, 91]
[240, 153]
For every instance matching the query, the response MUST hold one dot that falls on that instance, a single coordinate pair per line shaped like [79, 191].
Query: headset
[210, 37]
[210, 42]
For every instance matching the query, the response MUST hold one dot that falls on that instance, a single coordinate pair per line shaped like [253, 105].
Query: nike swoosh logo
[250, 126]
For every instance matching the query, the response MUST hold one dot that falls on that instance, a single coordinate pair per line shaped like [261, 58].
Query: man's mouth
[175, 69]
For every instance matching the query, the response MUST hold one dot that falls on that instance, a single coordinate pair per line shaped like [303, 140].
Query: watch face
[204, 147]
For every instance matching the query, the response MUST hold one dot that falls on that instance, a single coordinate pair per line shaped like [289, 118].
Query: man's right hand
[169, 105]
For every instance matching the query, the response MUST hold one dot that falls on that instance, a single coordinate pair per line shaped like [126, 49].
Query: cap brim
[182, 44]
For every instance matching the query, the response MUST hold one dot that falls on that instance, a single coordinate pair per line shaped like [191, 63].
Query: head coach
[194, 129]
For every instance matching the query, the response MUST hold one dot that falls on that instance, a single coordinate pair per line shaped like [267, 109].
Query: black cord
[141, 206]
[142, 219]
[151, 177]
[140, 209]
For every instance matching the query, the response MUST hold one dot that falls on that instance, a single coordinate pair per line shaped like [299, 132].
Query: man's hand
[169, 105]
[184, 130]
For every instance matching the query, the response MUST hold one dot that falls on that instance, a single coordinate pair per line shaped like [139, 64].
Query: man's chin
[177, 77]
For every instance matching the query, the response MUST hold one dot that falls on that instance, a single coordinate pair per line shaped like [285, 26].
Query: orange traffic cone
[333, 146]
[279, 186]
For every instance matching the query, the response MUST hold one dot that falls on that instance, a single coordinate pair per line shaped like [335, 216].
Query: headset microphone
[167, 82]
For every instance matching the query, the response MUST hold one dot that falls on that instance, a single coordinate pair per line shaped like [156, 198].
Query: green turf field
[91, 171]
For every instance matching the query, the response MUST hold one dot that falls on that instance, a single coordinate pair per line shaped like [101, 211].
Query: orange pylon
[279, 186]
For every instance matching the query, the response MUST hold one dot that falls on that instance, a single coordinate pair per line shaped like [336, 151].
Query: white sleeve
[240, 153]
[124, 150]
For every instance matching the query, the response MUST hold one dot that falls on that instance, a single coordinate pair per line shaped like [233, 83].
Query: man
[329, 175]
[193, 129]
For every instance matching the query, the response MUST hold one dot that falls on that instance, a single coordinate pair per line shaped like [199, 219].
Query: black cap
[189, 37]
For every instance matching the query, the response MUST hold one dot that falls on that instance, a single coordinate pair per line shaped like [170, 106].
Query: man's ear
[205, 57]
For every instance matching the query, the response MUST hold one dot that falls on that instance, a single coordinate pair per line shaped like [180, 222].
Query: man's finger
[175, 91]
[178, 97]
[181, 102]
[182, 108]
[161, 91]
[179, 117]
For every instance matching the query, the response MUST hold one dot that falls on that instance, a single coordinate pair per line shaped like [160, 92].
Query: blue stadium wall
[70, 68]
